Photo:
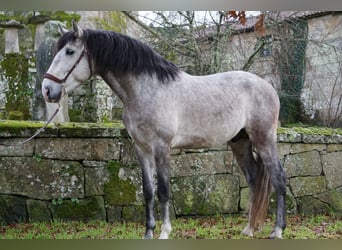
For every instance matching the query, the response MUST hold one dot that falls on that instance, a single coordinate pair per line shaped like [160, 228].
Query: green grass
[216, 227]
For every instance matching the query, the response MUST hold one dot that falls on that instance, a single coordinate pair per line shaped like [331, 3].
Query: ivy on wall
[292, 69]
[15, 71]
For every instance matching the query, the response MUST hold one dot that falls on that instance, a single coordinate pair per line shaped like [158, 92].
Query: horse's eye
[69, 52]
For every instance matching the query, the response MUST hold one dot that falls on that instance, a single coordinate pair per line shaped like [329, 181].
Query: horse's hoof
[148, 236]
[248, 231]
[164, 236]
[277, 233]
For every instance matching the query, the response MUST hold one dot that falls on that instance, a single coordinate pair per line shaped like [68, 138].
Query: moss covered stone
[15, 70]
[91, 208]
[204, 195]
[38, 211]
[15, 115]
[12, 128]
[118, 191]
[308, 205]
[12, 209]
[303, 186]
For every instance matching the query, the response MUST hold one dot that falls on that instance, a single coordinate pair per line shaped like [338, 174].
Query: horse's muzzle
[52, 92]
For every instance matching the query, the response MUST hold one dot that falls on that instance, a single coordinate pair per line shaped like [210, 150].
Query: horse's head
[70, 67]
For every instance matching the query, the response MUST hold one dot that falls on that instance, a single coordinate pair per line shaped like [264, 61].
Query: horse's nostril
[47, 91]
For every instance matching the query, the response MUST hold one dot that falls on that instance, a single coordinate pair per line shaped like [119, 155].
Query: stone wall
[89, 171]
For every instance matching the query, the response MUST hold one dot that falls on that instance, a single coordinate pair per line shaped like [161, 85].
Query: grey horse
[166, 108]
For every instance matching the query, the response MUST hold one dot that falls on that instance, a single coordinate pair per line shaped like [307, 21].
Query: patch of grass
[216, 227]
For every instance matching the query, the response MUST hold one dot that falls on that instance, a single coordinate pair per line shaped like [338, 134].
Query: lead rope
[36, 134]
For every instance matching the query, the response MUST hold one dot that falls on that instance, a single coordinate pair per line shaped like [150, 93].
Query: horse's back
[212, 109]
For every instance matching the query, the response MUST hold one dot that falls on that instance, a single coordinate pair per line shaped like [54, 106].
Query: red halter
[61, 81]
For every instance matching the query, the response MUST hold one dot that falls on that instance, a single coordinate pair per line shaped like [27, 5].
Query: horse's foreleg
[147, 167]
[162, 155]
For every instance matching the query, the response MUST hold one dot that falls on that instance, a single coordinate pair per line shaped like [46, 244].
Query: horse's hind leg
[242, 149]
[267, 149]
[147, 167]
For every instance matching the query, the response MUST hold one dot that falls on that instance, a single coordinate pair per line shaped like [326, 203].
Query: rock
[114, 213]
[334, 147]
[304, 147]
[12, 209]
[303, 186]
[91, 208]
[204, 195]
[333, 199]
[289, 136]
[215, 162]
[41, 179]
[79, 149]
[244, 199]
[38, 211]
[122, 187]
[95, 180]
[303, 164]
[332, 169]
[26, 149]
[308, 205]
[133, 213]
[283, 149]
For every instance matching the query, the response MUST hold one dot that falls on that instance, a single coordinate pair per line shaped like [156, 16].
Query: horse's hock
[88, 171]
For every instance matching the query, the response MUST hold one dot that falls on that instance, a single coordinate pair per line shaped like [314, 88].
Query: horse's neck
[128, 87]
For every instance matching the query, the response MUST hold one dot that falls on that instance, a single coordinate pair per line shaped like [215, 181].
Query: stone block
[91, 208]
[332, 169]
[334, 199]
[123, 187]
[303, 147]
[314, 138]
[283, 149]
[244, 199]
[41, 179]
[79, 149]
[67, 149]
[215, 162]
[26, 149]
[12, 209]
[334, 148]
[105, 149]
[303, 164]
[309, 205]
[290, 136]
[114, 213]
[133, 213]
[205, 195]
[95, 180]
[38, 211]
[127, 153]
[303, 186]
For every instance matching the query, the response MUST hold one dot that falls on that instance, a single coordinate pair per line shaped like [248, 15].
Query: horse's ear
[62, 30]
[77, 29]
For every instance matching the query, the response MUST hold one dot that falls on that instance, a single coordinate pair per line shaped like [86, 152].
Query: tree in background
[195, 41]
[304, 66]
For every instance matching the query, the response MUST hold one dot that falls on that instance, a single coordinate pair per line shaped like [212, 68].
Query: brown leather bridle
[61, 81]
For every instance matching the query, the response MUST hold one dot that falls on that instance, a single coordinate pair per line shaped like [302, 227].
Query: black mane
[122, 54]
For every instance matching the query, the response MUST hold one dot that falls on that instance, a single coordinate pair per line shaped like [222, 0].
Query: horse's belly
[203, 140]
